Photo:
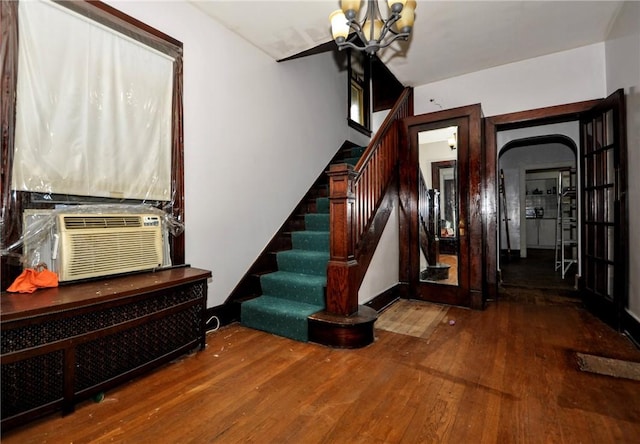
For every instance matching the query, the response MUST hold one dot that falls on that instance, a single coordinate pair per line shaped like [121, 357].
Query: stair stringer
[296, 290]
[249, 285]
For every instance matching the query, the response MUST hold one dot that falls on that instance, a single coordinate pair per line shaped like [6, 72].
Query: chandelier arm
[348, 44]
[354, 36]
[353, 24]
[376, 46]
[388, 24]
[399, 36]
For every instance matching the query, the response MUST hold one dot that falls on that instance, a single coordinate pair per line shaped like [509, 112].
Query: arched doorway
[534, 170]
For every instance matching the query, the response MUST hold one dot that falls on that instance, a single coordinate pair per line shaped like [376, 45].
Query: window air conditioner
[82, 245]
[98, 245]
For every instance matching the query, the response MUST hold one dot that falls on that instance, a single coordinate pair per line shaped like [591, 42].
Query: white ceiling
[450, 38]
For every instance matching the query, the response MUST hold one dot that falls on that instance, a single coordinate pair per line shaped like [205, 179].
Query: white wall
[568, 129]
[623, 71]
[384, 269]
[563, 77]
[256, 135]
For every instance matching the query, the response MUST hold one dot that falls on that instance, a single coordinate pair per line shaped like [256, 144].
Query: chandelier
[373, 32]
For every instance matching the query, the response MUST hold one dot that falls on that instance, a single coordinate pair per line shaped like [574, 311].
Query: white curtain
[93, 114]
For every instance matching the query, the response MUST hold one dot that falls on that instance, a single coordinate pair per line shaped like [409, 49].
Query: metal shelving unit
[567, 222]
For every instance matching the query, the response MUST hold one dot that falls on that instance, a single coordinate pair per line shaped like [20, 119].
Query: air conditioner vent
[101, 245]
[83, 222]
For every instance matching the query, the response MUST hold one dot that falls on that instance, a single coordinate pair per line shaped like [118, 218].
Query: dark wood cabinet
[66, 344]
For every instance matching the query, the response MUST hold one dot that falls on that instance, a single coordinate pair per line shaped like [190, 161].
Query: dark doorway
[603, 190]
[535, 251]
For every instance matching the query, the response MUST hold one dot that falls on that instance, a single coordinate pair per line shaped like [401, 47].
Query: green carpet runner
[297, 289]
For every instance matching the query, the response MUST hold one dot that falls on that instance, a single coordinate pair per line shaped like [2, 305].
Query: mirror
[454, 235]
[438, 205]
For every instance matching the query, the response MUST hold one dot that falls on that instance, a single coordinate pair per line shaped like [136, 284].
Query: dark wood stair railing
[355, 198]
[426, 219]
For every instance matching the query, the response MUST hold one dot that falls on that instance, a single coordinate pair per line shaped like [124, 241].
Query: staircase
[296, 288]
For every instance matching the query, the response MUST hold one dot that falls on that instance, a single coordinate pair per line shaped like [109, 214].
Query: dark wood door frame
[493, 124]
[470, 290]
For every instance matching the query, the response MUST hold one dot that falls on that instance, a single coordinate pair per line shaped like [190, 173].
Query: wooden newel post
[342, 291]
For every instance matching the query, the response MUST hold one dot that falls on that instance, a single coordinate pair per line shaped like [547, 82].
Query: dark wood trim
[631, 328]
[385, 299]
[356, 126]
[542, 116]
[435, 170]
[125, 24]
[541, 140]
[11, 227]
[493, 124]
[322, 48]
[224, 314]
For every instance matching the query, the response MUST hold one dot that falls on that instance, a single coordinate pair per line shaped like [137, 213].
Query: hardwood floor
[503, 375]
[537, 270]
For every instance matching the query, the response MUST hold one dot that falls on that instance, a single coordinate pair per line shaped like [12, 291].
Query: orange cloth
[33, 278]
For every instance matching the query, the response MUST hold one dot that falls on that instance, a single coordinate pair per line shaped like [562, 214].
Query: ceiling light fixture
[372, 38]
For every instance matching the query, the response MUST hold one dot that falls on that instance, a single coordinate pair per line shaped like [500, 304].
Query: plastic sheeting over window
[87, 122]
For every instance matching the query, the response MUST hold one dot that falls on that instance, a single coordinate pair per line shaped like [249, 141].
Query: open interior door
[604, 209]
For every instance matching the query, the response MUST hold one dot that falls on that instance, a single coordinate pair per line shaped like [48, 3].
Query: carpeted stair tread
[307, 288]
[322, 205]
[310, 240]
[351, 160]
[297, 290]
[303, 261]
[316, 221]
[357, 151]
[278, 316]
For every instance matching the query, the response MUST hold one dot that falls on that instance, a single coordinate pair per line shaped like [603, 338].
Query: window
[87, 122]
[160, 48]
[359, 115]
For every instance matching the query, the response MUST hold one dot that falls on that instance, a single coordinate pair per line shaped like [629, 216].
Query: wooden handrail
[378, 164]
[424, 200]
[354, 196]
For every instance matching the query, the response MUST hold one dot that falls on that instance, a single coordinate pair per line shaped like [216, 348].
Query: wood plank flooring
[503, 375]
